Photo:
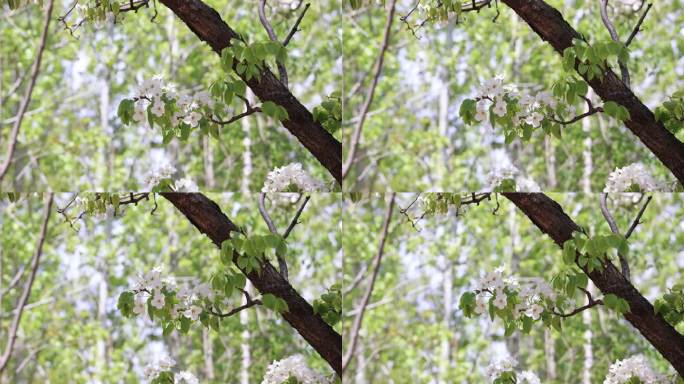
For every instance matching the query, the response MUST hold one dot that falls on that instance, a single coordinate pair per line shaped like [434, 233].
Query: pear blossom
[185, 377]
[636, 366]
[185, 185]
[140, 306]
[291, 178]
[481, 116]
[193, 118]
[500, 108]
[535, 119]
[496, 368]
[623, 179]
[500, 301]
[193, 312]
[528, 377]
[293, 366]
[535, 311]
[480, 306]
[158, 107]
[158, 300]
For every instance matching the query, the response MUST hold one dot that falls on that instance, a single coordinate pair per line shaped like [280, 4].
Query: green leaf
[226, 252]
[610, 300]
[125, 111]
[125, 303]
[569, 252]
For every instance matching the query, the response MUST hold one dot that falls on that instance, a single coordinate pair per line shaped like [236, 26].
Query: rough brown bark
[548, 216]
[549, 24]
[208, 218]
[207, 24]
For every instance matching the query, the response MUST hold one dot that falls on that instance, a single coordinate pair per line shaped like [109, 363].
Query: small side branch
[603, 4]
[591, 110]
[272, 35]
[624, 264]
[637, 27]
[250, 110]
[591, 303]
[637, 219]
[295, 27]
[282, 264]
[295, 219]
[248, 304]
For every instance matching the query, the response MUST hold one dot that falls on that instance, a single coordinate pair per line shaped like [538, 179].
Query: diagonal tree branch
[208, 218]
[356, 325]
[14, 134]
[358, 128]
[550, 218]
[549, 24]
[207, 24]
[35, 262]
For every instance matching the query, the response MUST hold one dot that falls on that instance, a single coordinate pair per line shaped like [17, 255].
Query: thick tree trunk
[207, 24]
[208, 218]
[548, 216]
[549, 24]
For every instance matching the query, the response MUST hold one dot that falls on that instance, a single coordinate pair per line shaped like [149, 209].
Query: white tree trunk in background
[208, 350]
[244, 344]
[447, 286]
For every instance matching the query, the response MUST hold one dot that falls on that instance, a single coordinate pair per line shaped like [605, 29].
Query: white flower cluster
[531, 294]
[494, 92]
[152, 285]
[291, 178]
[167, 171]
[496, 368]
[295, 366]
[161, 364]
[165, 363]
[622, 371]
[152, 93]
[622, 180]
[507, 171]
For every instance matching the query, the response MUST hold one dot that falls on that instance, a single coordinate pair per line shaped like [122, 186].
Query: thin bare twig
[356, 326]
[624, 265]
[637, 218]
[592, 303]
[603, 4]
[638, 25]
[35, 262]
[282, 264]
[295, 219]
[272, 35]
[356, 136]
[296, 25]
[14, 134]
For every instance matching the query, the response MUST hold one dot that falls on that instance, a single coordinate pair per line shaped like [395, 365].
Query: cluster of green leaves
[592, 252]
[439, 203]
[671, 305]
[522, 130]
[329, 113]
[594, 59]
[182, 323]
[251, 250]
[512, 321]
[228, 282]
[164, 377]
[671, 113]
[169, 131]
[249, 60]
[329, 306]
[568, 281]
